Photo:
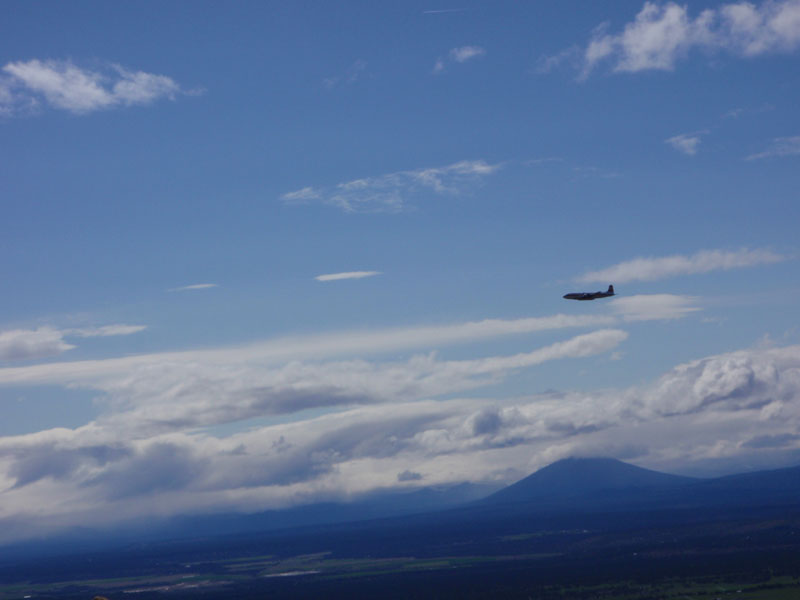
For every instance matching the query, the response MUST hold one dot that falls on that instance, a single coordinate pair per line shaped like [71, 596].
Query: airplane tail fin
[610, 289]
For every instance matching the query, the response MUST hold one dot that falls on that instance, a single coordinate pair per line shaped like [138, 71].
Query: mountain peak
[574, 477]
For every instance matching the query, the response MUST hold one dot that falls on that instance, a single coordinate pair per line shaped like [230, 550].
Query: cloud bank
[743, 405]
[60, 84]
[705, 261]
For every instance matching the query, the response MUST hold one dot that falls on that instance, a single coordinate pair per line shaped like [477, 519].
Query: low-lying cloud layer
[329, 417]
[739, 405]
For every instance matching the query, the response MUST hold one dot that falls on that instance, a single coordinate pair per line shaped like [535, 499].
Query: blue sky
[288, 252]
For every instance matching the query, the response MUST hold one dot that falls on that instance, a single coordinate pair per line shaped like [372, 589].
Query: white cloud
[465, 53]
[352, 74]
[391, 192]
[315, 347]
[347, 275]
[194, 286]
[685, 142]
[663, 34]
[64, 85]
[105, 330]
[650, 307]
[29, 344]
[459, 55]
[43, 342]
[653, 268]
[302, 195]
[782, 146]
[546, 64]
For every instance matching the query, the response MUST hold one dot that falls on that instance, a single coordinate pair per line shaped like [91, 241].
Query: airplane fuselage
[590, 295]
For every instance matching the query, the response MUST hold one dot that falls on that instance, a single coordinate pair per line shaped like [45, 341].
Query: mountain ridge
[576, 476]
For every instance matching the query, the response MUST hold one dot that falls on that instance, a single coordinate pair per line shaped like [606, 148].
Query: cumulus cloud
[61, 84]
[43, 342]
[459, 55]
[686, 143]
[705, 261]
[346, 275]
[782, 146]
[661, 35]
[391, 192]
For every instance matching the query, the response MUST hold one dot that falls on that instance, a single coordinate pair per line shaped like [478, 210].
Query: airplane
[590, 295]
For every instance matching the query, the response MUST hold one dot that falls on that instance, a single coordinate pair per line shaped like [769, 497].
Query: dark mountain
[571, 493]
[759, 488]
[376, 505]
[587, 479]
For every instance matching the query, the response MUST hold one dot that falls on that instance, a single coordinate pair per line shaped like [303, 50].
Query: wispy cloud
[25, 86]
[687, 143]
[392, 192]
[736, 113]
[442, 11]
[169, 396]
[653, 268]
[654, 307]
[571, 56]
[105, 330]
[353, 73]
[783, 146]
[44, 342]
[459, 55]
[347, 275]
[315, 347]
[663, 34]
[465, 53]
[194, 286]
